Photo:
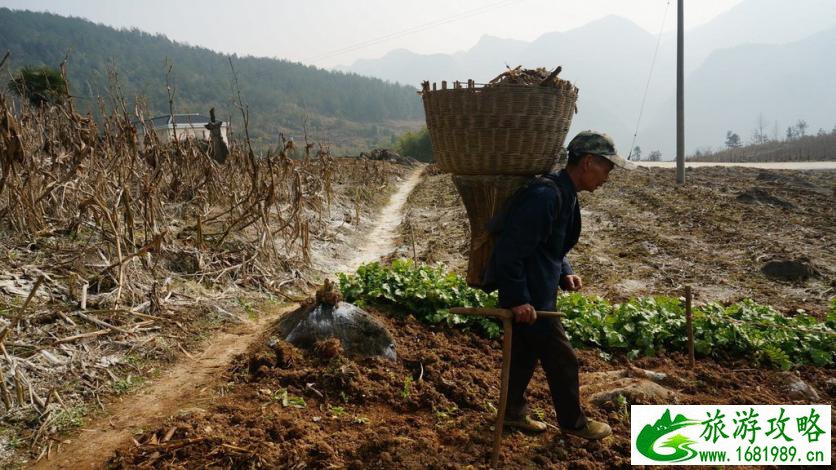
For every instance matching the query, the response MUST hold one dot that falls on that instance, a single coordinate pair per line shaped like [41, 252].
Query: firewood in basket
[552, 76]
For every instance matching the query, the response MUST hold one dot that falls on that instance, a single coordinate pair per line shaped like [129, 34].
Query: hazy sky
[327, 33]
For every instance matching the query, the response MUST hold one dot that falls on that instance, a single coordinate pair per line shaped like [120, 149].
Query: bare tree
[654, 156]
[801, 125]
[759, 135]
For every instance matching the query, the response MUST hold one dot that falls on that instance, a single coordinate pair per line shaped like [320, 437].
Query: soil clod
[761, 196]
[788, 270]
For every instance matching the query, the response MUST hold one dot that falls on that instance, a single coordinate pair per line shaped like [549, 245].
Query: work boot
[526, 423]
[594, 430]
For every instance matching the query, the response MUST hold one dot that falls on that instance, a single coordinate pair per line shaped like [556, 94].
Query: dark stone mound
[790, 271]
[760, 196]
[311, 326]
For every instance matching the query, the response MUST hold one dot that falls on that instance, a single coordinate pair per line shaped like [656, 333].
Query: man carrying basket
[539, 226]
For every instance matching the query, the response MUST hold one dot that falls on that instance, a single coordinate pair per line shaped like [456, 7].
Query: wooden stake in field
[689, 325]
[507, 318]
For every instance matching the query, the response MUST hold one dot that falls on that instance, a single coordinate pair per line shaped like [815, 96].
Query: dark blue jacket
[537, 230]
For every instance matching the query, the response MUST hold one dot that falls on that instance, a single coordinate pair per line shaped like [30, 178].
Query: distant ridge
[808, 148]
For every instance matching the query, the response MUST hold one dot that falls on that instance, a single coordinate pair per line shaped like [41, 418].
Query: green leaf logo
[680, 444]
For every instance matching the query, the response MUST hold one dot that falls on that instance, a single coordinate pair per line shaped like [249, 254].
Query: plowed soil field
[281, 407]
[731, 233]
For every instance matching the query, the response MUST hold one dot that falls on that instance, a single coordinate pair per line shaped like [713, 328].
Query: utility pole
[680, 93]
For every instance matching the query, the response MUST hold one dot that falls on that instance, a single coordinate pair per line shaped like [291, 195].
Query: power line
[649, 77]
[415, 29]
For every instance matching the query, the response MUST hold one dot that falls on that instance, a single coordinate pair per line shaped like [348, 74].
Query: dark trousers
[545, 341]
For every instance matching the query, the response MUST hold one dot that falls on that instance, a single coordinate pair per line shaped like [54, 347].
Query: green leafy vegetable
[426, 292]
[643, 326]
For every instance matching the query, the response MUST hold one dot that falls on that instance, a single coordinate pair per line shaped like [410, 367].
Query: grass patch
[135, 360]
[249, 309]
[127, 384]
[72, 417]
[407, 387]
[336, 411]
[11, 440]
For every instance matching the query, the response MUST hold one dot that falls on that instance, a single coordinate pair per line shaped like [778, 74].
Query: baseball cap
[598, 143]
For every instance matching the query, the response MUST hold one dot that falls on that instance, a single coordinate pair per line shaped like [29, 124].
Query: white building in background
[184, 126]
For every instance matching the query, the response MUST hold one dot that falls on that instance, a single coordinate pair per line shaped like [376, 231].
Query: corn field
[114, 244]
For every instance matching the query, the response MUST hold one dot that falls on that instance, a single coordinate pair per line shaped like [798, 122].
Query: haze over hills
[346, 110]
[609, 60]
[780, 84]
[759, 22]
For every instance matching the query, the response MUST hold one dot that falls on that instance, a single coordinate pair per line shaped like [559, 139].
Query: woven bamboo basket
[483, 197]
[508, 130]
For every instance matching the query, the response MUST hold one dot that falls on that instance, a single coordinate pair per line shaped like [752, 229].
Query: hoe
[507, 318]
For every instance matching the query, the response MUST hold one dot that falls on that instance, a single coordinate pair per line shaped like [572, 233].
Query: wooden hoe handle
[500, 313]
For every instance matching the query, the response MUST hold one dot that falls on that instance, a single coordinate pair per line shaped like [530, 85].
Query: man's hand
[572, 282]
[524, 314]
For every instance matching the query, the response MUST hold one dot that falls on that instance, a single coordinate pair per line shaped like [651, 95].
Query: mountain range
[760, 60]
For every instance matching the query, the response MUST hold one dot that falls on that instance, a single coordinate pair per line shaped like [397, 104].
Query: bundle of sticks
[530, 77]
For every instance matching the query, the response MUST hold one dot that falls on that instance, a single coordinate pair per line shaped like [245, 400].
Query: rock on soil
[798, 389]
[831, 387]
[619, 388]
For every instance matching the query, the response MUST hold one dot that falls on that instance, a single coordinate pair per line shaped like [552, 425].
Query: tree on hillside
[654, 156]
[416, 145]
[39, 85]
[702, 152]
[791, 133]
[636, 154]
[801, 125]
[732, 140]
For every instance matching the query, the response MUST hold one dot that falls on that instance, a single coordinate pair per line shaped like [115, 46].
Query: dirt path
[381, 239]
[196, 381]
[188, 384]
